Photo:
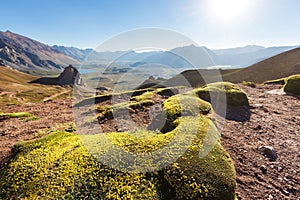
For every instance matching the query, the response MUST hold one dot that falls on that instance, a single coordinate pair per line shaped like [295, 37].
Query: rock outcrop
[70, 76]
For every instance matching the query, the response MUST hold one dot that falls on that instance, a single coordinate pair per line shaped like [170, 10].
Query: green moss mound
[128, 106]
[249, 84]
[234, 95]
[292, 84]
[145, 96]
[196, 175]
[180, 105]
[14, 115]
[280, 81]
[59, 166]
[185, 105]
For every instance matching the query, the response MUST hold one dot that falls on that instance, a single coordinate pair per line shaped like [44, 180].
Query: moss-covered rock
[234, 95]
[124, 107]
[280, 81]
[176, 106]
[58, 166]
[185, 105]
[292, 84]
[249, 84]
[63, 165]
[196, 175]
[15, 115]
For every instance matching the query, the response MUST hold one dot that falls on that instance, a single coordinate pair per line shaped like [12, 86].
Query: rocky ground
[274, 122]
[49, 115]
[265, 149]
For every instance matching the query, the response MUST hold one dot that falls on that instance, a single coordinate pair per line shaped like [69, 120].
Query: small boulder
[269, 152]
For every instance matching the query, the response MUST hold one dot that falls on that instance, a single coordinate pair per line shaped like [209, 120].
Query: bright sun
[228, 10]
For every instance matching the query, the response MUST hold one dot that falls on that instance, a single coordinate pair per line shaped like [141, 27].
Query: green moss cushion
[292, 84]
[185, 105]
[234, 95]
[187, 162]
[59, 165]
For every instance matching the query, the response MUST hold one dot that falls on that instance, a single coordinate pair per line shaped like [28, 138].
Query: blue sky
[87, 23]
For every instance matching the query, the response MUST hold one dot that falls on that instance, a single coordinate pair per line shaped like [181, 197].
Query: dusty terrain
[274, 121]
[50, 114]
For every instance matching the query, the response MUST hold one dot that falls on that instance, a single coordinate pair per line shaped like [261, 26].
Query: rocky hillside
[78, 54]
[276, 67]
[31, 56]
[279, 66]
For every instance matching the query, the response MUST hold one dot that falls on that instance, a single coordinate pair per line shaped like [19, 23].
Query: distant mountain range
[30, 56]
[279, 66]
[33, 57]
[181, 57]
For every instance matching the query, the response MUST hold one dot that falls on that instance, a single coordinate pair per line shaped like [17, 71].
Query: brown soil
[50, 114]
[274, 121]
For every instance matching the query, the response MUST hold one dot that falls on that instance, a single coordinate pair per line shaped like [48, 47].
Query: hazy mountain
[279, 66]
[91, 56]
[183, 57]
[246, 56]
[238, 50]
[202, 57]
[78, 54]
[31, 56]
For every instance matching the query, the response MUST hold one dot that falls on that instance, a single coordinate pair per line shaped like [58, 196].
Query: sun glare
[228, 11]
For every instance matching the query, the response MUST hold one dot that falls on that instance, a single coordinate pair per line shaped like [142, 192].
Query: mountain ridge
[279, 66]
[30, 56]
[238, 57]
[33, 57]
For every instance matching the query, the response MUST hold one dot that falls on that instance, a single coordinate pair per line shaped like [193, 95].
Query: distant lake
[86, 71]
[220, 67]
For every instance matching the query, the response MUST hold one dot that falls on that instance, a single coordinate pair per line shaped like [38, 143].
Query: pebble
[263, 169]
[269, 152]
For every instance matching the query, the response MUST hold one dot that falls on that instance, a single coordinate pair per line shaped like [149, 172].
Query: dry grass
[15, 88]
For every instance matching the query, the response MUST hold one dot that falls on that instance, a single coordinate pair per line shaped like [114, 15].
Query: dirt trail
[12, 95]
[56, 95]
